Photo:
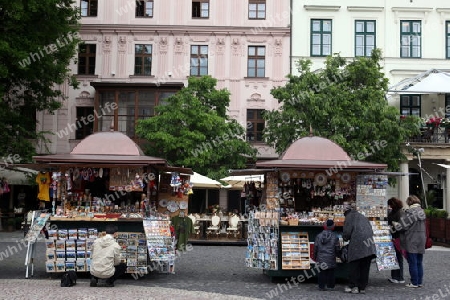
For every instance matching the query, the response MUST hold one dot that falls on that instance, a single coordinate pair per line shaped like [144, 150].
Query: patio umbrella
[201, 181]
[238, 181]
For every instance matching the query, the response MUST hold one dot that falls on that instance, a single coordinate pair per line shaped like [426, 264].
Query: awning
[430, 82]
[239, 181]
[200, 181]
[444, 166]
[332, 165]
[18, 175]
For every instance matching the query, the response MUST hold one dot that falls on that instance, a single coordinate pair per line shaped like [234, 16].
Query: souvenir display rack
[386, 256]
[262, 239]
[295, 250]
[161, 244]
[70, 250]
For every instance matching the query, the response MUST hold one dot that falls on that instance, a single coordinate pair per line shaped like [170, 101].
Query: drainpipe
[290, 34]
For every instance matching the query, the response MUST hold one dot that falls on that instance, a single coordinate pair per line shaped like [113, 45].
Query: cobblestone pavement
[206, 272]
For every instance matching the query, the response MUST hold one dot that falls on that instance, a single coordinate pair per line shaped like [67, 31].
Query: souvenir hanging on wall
[128, 179]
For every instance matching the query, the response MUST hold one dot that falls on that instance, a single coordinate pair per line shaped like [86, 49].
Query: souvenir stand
[107, 179]
[306, 186]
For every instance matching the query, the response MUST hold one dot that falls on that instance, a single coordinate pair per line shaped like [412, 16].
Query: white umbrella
[18, 175]
[239, 181]
[201, 181]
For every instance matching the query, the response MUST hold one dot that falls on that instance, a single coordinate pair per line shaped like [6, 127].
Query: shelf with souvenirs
[295, 250]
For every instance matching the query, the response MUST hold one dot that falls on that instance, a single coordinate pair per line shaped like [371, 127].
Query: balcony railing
[432, 135]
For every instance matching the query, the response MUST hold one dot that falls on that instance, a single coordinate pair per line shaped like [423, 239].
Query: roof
[103, 149]
[433, 81]
[317, 153]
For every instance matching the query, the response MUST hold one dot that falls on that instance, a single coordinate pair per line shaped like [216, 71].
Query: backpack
[69, 279]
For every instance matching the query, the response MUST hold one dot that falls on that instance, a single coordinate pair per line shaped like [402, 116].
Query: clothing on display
[183, 229]
[43, 181]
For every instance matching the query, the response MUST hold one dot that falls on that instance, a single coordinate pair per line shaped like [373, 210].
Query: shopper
[326, 249]
[395, 214]
[413, 237]
[105, 259]
[361, 249]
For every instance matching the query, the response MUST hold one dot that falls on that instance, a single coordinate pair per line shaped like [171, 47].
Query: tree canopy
[344, 102]
[37, 41]
[193, 130]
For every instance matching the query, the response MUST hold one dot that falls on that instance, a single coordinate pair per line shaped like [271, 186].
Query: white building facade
[414, 37]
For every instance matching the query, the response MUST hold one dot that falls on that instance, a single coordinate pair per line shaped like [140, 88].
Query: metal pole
[421, 179]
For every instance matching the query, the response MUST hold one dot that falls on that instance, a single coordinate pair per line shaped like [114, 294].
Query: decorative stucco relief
[106, 45]
[255, 101]
[163, 45]
[122, 42]
[237, 48]
[234, 114]
[180, 44]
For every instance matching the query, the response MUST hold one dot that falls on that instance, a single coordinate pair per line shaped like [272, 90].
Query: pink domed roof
[107, 143]
[315, 148]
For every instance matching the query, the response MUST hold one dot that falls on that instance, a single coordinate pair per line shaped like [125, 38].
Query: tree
[37, 41]
[193, 130]
[344, 102]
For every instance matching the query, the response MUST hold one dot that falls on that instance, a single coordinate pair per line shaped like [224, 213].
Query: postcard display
[70, 250]
[371, 201]
[161, 244]
[262, 240]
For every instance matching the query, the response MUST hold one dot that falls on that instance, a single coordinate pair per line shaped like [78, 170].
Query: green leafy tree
[38, 38]
[193, 130]
[344, 102]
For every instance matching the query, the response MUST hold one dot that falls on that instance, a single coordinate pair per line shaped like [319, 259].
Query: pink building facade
[137, 53]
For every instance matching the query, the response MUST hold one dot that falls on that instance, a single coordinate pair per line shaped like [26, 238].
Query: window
[256, 9]
[320, 37]
[132, 104]
[410, 105]
[199, 60]
[256, 61]
[144, 8]
[28, 121]
[255, 125]
[200, 8]
[447, 33]
[85, 122]
[365, 39]
[89, 8]
[86, 59]
[411, 36]
[143, 60]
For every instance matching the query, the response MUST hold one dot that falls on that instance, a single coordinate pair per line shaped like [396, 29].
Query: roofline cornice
[365, 8]
[322, 7]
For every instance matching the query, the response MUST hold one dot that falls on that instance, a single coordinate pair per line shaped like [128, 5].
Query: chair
[195, 225]
[215, 227]
[233, 228]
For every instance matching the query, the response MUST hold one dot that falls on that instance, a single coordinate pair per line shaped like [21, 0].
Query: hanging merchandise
[43, 181]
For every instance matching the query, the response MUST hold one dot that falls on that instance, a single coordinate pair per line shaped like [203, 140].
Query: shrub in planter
[441, 213]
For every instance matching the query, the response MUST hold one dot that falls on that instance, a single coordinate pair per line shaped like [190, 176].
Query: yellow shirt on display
[43, 180]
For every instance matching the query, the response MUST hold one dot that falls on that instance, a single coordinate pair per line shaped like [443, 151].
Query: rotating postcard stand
[38, 221]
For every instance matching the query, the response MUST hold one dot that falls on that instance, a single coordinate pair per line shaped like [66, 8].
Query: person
[361, 249]
[105, 259]
[395, 214]
[326, 249]
[412, 238]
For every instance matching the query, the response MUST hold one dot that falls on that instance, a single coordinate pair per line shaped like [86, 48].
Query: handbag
[344, 254]
[429, 241]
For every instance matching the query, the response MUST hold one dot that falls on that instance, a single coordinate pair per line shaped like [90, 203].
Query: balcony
[432, 135]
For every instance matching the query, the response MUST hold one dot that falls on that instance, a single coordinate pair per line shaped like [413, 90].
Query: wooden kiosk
[306, 186]
[107, 179]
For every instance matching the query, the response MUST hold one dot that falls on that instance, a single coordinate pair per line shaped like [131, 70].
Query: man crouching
[105, 259]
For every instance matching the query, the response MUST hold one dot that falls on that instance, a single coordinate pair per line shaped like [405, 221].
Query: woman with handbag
[395, 214]
[413, 239]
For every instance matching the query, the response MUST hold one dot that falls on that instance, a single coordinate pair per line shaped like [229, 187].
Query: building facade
[137, 53]
[414, 37]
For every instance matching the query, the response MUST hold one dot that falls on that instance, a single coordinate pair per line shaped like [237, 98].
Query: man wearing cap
[361, 249]
[326, 249]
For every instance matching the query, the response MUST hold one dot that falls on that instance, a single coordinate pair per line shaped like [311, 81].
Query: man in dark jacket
[326, 249]
[361, 249]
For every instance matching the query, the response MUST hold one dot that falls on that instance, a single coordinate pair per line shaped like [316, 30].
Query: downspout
[290, 35]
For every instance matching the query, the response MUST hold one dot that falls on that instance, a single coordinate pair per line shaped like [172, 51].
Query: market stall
[108, 179]
[306, 186]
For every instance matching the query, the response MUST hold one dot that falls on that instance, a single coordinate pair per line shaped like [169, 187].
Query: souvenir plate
[320, 179]
[172, 206]
[345, 178]
[163, 202]
[183, 205]
[285, 177]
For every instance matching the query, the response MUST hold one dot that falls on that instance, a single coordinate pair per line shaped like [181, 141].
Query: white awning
[444, 166]
[430, 82]
[200, 181]
[240, 180]
[18, 175]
